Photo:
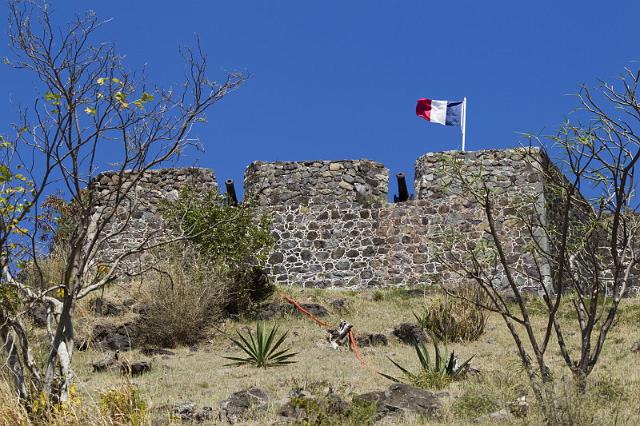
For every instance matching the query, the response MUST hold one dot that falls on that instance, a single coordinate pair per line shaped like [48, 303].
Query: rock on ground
[115, 336]
[240, 404]
[186, 411]
[410, 333]
[135, 368]
[276, 309]
[371, 339]
[403, 399]
[306, 409]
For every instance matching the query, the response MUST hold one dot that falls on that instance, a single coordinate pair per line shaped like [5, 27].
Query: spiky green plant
[438, 374]
[263, 350]
[456, 317]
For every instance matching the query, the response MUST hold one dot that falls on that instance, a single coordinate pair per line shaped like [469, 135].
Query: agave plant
[263, 349]
[444, 369]
[455, 319]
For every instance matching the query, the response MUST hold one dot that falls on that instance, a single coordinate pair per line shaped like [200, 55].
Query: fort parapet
[340, 239]
[334, 227]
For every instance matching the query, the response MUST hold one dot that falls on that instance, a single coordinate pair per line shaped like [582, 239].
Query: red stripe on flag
[423, 108]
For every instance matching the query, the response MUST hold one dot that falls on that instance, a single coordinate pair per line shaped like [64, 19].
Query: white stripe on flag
[438, 112]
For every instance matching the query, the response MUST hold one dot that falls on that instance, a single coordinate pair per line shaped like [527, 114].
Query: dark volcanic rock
[400, 398]
[240, 404]
[305, 409]
[135, 368]
[338, 305]
[109, 362]
[184, 410]
[409, 333]
[107, 308]
[38, 313]
[115, 336]
[314, 309]
[369, 339]
[274, 310]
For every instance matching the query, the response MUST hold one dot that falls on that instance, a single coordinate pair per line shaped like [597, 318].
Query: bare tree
[91, 108]
[584, 248]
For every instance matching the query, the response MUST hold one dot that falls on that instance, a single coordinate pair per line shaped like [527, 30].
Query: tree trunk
[13, 362]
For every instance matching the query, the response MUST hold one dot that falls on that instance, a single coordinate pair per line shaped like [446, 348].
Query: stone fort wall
[342, 239]
[139, 216]
[335, 228]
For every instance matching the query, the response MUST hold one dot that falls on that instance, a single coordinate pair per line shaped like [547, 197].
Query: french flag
[441, 112]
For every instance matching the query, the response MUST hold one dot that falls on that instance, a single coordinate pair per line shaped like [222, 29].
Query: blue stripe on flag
[454, 113]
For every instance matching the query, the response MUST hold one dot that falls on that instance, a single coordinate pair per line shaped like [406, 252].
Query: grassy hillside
[199, 375]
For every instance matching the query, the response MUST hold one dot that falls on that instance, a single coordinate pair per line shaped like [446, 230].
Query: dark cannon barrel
[231, 192]
[403, 192]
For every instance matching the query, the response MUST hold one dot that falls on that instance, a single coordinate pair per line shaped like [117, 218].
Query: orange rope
[304, 311]
[352, 339]
[355, 348]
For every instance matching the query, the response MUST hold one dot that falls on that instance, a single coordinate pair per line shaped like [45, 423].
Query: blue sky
[339, 79]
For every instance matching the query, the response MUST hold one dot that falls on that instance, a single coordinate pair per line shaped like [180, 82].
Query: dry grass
[200, 376]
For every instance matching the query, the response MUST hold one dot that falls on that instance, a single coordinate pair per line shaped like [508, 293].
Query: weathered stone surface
[38, 313]
[334, 227]
[153, 188]
[369, 339]
[306, 409]
[135, 368]
[240, 404]
[314, 309]
[115, 336]
[409, 333]
[273, 310]
[107, 308]
[109, 362]
[315, 182]
[400, 398]
[338, 305]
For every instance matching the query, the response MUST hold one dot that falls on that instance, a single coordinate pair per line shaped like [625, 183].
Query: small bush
[12, 412]
[377, 296]
[489, 392]
[124, 405]
[474, 403]
[183, 296]
[455, 319]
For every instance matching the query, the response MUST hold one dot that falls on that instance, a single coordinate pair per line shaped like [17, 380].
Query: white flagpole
[464, 120]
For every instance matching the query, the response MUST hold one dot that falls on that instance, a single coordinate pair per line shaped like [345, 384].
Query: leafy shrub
[455, 318]
[237, 239]
[445, 368]
[124, 405]
[183, 295]
[236, 236]
[263, 351]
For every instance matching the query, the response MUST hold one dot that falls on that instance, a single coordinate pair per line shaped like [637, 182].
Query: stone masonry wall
[361, 245]
[335, 228]
[316, 182]
[140, 216]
